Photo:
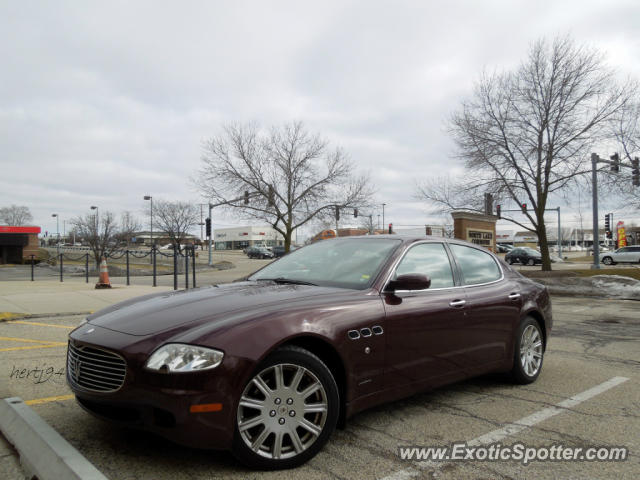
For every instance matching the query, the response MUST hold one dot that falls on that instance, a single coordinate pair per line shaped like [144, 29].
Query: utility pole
[201, 224]
[594, 188]
[210, 236]
[559, 235]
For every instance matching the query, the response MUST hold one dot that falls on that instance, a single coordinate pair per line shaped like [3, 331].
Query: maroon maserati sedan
[268, 366]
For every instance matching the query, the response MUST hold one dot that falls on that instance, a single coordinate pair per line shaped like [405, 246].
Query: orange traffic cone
[104, 281]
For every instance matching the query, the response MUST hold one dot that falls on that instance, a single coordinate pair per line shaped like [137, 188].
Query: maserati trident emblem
[76, 372]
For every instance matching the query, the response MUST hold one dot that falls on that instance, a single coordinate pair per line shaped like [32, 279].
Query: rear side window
[477, 266]
[429, 259]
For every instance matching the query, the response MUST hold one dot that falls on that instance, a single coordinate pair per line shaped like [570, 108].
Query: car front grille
[95, 369]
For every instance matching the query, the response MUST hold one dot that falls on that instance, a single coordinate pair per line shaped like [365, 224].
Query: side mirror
[410, 281]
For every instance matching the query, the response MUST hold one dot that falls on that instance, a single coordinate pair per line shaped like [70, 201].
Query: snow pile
[612, 286]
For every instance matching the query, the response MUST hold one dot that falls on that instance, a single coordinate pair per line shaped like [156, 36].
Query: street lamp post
[57, 232]
[93, 207]
[383, 224]
[150, 198]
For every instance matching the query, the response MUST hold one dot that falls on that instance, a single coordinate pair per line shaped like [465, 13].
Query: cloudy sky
[104, 102]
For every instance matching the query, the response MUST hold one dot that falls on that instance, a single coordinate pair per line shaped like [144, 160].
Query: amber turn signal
[206, 407]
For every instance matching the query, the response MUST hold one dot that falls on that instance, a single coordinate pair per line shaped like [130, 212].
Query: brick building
[17, 244]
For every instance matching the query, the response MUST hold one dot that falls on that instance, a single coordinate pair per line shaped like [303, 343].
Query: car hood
[155, 313]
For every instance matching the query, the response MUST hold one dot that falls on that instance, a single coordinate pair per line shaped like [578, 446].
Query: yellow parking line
[5, 315]
[51, 345]
[40, 401]
[28, 340]
[23, 322]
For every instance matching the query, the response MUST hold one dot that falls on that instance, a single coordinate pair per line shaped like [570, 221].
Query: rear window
[477, 266]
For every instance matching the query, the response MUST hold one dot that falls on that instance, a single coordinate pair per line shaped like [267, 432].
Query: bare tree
[366, 221]
[101, 238]
[175, 219]
[626, 130]
[128, 227]
[527, 133]
[16, 215]
[292, 176]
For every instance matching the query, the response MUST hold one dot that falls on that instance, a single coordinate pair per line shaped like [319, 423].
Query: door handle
[457, 303]
[514, 296]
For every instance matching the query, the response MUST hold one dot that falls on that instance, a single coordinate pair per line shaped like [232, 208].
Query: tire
[528, 353]
[531, 262]
[608, 261]
[510, 261]
[269, 410]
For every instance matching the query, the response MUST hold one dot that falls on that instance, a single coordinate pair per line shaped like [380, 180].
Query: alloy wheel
[531, 350]
[282, 411]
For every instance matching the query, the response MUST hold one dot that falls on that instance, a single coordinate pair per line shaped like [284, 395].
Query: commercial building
[160, 238]
[17, 244]
[238, 238]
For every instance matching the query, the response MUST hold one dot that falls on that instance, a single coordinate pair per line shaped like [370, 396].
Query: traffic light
[635, 172]
[615, 167]
[609, 234]
[391, 228]
[207, 227]
[355, 213]
[607, 224]
[498, 208]
[337, 213]
[246, 197]
[524, 207]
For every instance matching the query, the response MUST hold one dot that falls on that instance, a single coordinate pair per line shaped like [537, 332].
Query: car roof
[407, 239]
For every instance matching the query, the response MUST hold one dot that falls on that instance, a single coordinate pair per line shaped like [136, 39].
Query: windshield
[341, 262]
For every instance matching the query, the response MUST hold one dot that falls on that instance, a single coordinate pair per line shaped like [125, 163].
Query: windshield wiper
[287, 280]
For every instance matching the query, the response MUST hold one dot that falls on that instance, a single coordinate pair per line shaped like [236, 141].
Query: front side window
[428, 259]
[477, 266]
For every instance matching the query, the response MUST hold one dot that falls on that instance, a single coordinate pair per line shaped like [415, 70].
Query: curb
[43, 452]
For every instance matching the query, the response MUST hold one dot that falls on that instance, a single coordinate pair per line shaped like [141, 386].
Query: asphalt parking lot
[594, 341]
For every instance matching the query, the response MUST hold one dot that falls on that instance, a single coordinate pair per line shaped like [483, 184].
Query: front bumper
[161, 403]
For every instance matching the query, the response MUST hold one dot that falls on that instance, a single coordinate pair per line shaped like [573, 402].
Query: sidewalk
[20, 298]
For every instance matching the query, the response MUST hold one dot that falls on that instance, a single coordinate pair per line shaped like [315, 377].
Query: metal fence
[182, 263]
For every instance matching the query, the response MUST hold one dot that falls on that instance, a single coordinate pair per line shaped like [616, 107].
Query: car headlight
[179, 357]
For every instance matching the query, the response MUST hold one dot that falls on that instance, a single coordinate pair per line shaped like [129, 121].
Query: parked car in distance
[523, 255]
[278, 250]
[266, 366]
[259, 252]
[504, 247]
[628, 254]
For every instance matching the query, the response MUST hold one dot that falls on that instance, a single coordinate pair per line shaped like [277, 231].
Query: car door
[423, 326]
[622, 255]
[493, 306]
